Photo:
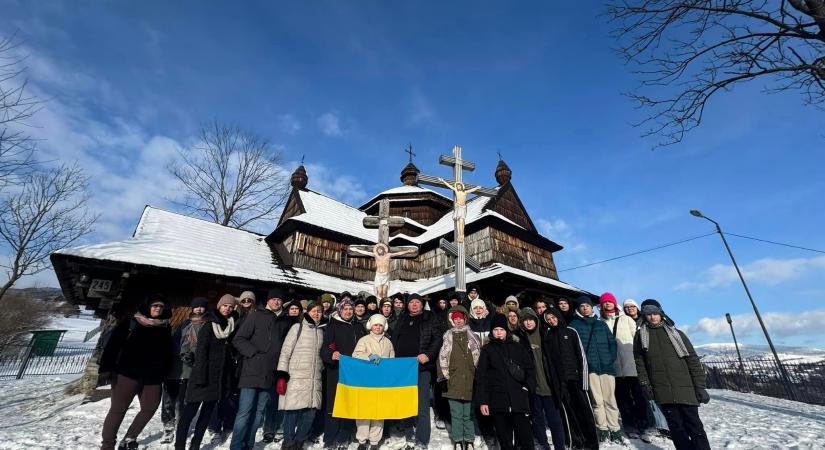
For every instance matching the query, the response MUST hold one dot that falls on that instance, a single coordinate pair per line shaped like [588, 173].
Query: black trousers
[510, 425]
[631, 402]
[189, 412]
[339, 431]
[222, 419]
[686, 427]
[580, 417]
[172, 401]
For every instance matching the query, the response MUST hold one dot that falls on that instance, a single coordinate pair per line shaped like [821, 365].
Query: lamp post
[782, 374]
[739, 354]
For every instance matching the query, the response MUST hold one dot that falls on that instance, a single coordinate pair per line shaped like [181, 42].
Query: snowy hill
[727, 350]
[35, 415]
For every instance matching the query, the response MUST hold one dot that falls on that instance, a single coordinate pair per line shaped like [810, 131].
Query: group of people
[498, 375]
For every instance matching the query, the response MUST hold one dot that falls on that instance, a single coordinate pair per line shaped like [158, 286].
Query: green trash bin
[44, 342]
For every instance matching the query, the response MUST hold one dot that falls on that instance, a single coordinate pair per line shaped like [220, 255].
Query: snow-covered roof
[334, 215]
[429, 285]
[405, 190]
[445, 225]
[170, 240]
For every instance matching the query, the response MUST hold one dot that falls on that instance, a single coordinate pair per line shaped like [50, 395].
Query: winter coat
[340, 336]
[624, 329]
[533, 343]
[481, 327]
[259, 342]
[495, 386]
[391, 321]
[598, 343]
[565, 354]
[373, 344]
[301, 360]
[430, 341]
[178, 370]
[140, 352]
[673, 379]
[188, 345]
[457, 362]
[213, 373]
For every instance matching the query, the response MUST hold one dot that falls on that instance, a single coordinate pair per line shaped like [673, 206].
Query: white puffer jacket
[301, 359]
[625, 332]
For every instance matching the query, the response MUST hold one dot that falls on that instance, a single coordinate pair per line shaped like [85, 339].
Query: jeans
[171, 401]
[686, 427]
[297, 423]
[273, 417]
[185, 420]
[461, 416]
[545, 414]
[251, 405]
[422, 421]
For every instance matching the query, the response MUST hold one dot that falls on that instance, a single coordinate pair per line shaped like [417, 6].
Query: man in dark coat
[505, 378]
[670, 372]
[419, 334]
[340, 337]
[259, 342]
[600, 349]
[567, 367]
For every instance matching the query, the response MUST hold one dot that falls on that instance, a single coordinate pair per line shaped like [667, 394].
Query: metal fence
[18, 361]
[762, 376]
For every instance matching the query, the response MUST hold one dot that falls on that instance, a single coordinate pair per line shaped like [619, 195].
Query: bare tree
[701, 47]
[16, 106]
[231, 176]
[45, 213]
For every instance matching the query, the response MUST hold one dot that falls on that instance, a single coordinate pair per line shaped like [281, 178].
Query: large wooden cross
[460, 191]
[381, 251]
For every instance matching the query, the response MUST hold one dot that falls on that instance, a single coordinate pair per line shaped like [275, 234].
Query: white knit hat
[377, 319]
[513, 299]
[477, 302]
[629, 302]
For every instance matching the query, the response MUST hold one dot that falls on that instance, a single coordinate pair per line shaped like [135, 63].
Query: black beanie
[499, 321]
[651, 301]
[372, 299]
[276, 293]
[200, 302]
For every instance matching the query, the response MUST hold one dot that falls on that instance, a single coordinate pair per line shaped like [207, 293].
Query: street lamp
[739, 354]
[782, 373]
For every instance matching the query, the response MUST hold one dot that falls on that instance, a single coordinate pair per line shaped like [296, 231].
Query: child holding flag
[373, 347]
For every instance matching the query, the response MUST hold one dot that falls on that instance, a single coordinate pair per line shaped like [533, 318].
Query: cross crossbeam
[452, 250]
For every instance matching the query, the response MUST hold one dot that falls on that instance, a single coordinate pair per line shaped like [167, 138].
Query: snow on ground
[76, 329]
[35, 415]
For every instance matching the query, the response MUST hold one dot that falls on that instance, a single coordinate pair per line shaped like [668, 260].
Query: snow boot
[616, 437]
[128, 444]
[362, 446]
[168, 433]
[603, 436]
[440, 424]
[268, 437]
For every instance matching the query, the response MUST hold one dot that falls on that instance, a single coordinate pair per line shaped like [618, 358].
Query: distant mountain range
[726, 350]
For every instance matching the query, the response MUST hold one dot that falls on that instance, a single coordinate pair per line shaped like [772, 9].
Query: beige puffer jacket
[625, 332]
[301, 359]
[371, 343]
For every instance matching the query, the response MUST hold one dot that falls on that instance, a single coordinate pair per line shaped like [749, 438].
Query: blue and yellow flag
[388, 390]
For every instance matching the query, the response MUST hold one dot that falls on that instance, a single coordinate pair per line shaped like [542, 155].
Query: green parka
[673, 379]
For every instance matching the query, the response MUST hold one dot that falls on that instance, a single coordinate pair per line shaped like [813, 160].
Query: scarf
[224, 333]
[672, 334]
[150, 322]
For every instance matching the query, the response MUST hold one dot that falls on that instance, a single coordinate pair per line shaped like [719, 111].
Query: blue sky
[349, 84]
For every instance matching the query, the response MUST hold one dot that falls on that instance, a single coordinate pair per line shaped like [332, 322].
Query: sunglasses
[246, 300]
[158, 305]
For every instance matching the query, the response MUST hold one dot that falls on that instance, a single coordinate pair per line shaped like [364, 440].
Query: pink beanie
[608, 297]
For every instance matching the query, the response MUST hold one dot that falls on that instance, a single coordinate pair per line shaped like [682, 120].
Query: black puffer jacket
[495, 386]
[340, 336]
[213, 374]
[140, 352]
[432, 332]
[259, 341]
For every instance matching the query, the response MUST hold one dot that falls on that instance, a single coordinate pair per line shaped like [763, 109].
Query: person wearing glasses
[139, 352]
[246, 306]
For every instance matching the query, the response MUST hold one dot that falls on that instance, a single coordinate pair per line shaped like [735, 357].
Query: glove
[702, 395]
[375, 359]
[647, 390]
[280, 386]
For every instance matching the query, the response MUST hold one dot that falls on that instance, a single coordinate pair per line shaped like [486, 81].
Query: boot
[458, 446]
[603, 435]
[362, 446]
[128, 444]
[268, 437]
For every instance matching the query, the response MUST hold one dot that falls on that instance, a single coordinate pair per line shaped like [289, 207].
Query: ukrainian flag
[388, 390]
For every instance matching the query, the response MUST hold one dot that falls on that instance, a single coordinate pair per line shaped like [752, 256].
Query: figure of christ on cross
[460, 209]
[383, 256]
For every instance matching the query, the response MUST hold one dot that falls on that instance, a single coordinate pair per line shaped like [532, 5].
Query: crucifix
[460, 191]
[382, 253]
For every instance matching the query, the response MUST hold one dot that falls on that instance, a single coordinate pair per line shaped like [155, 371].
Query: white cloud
[766, 271]
[288, 123]
[778, 324]
[329, 124]
[559, 230]
[339, 186]
[421, 109]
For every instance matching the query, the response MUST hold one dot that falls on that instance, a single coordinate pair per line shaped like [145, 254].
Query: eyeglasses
[246, 300]
[158, 305]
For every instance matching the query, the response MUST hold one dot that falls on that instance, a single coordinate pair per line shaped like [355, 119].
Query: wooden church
[306, 253]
